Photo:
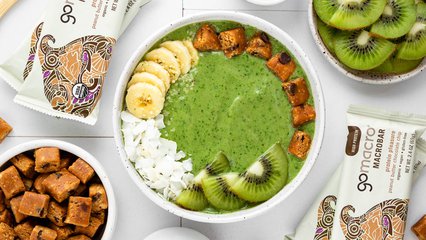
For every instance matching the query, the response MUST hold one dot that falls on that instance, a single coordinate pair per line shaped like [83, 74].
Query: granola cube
[79, 237]
[101, 215]
[260, 46]
[5, 129]
[61, 184]
[14, 205]
[233, 42]
[300, 144]
[28, 183]
[24, 230]
[34, 204]
[47, 159]
[99, 197]
[43, 233]
[90, 230]
[2, 201]
[10, 182]
[82, 170]
[206, 39]
[79, 209]
[63, 232]
[297, 91]
[57, 213]
[6, 217]
[303, 114]
[282, 65]
[420, 228]
[6, 232]
[24, 164]
[38, 182]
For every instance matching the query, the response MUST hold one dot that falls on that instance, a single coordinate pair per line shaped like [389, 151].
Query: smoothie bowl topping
[218, 116]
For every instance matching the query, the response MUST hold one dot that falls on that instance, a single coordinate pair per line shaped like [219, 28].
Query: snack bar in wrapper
[329, 219]
[71, 85]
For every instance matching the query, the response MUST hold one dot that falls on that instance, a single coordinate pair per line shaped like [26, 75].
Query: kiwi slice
[193, 198]
[327, 34]
[394, 65]
[218, 192]
[414, 46]
[361, 51]
[265, 177]
[396, 20]
[357, 14]
[325, 9]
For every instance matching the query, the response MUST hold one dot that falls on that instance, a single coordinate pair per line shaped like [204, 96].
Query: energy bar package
[60, 69]
[399, 158]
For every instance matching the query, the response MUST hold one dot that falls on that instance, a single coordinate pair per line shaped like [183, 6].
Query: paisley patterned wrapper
[334, 213]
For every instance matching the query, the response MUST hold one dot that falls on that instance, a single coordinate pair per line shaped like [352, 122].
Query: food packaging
[5, 5]
[343, 210]
[60, 69]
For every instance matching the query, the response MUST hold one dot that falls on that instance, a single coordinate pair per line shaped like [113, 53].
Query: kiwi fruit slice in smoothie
[396, 20]
[217, 190]
[414, 46]
[361, 51]
[394, 65]
[265, 177]
[327, 34]
[193, 197]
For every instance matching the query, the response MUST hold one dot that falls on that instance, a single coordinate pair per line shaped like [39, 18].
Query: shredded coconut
[163, 168]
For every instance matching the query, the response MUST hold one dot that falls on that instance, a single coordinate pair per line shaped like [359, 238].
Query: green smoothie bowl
[219, 117]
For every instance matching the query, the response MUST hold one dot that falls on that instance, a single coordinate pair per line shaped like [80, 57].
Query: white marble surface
[137, 215]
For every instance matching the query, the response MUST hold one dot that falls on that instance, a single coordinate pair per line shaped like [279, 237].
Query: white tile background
[137, 216]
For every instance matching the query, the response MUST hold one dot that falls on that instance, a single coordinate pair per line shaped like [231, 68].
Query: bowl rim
[264, 3]
[303, 60]
[363, 77]
[83, 154]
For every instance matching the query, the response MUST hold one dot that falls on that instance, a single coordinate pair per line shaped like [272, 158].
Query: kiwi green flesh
[265, 177]
[220, 164]
[327, 34]
[359, 50]
[353, 15]
[218, 193]
[192, 198]
[414, 46]
[394, 65]
[397, 19]
[325, 9]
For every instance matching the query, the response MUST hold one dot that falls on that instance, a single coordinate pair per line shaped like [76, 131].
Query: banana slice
[144, 100]
[181, 53]
[192, 51]
[156, 69]
[166, 59]
[149, 78]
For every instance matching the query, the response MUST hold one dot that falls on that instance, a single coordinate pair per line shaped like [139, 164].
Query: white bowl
[362, 76]
[176, 233]
[293, 47]
[265, 2]
[79, 152]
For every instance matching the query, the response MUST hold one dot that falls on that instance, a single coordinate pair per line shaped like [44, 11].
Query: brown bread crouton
[34, 204]
[14, 205]
[79, 237]
[38, 182]
[24, 230]
[99, 197]
[11, 183]
[24, 164]
[297, 91]
[302, 114]
[6, 232]
[282, 65]
[233, 42]
[91, 229]
[61, 184]
[47, 160]
[6, 217]
[57, 213]
[63, 232]
[82, 170]
[79, 209]
[44, 233]
[5, 129]
[206, 39]
[260, 46]
[300, 144]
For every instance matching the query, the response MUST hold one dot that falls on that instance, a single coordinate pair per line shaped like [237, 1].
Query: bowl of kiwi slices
[372, 41]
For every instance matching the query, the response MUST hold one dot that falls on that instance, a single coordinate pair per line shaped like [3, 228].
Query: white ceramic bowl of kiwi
[362, 76]
[111, 220]
[303, 60]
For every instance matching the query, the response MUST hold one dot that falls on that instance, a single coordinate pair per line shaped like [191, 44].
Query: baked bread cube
[233, 42]
[47, 159]
[60, 185]
[99, 197]
[79, 237]
[297, 91]
[206, 39]
[38, 182]
[300, 144]
[57, 213]
[34, 204]
[63, 232]
[420, 228]
[79, 209]
[5, 129]
[101, 215]
[11, 183]
[24, 164]
[14, 205]
[6, 217]
[82, 170]
[6, 232]
[303, 114]
[90, 230]
[23, 231]
[28, 183]
[2, 203]
[260, 46]
[282, 65]
[43, 233]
